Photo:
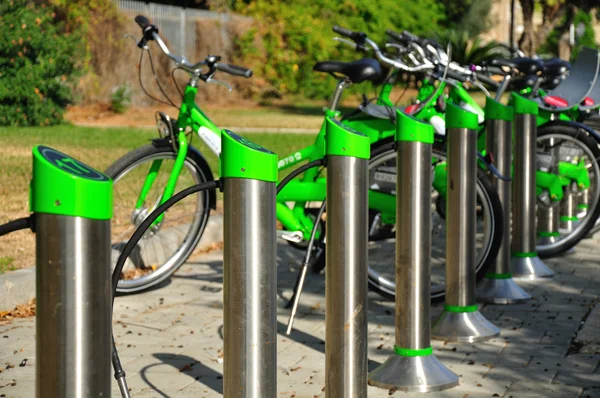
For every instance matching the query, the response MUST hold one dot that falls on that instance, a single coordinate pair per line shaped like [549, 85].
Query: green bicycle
[149, 175]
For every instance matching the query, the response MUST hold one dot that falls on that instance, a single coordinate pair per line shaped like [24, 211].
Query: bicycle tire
[489, 198]
[586, 225]
[201, 173]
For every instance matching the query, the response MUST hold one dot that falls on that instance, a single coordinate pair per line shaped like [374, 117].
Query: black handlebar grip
[456, 75]
[394, 35]
[410, 36]
[142, 21]
[343, 31]
[234, 70]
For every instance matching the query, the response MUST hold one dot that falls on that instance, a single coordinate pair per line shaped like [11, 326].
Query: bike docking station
[461, 320]
[548, 212]
[348, 153]
[412, 366]
[525, 263]
[249, 176]
[72, 206]
[498, 286]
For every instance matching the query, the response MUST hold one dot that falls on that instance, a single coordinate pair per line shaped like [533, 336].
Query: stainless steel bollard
[498, 287]
[249, 175]
[412, 366]
[569, 209]
[348, 155]
[525, 263]
[461, 321]
[73, 206]
[548, 223]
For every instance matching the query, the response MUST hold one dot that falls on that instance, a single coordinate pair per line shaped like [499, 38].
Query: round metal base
[501, 291]
[530, 268]
[413, 374]
[463, 327]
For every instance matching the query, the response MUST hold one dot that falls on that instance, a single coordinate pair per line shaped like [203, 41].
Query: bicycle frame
[311, 187]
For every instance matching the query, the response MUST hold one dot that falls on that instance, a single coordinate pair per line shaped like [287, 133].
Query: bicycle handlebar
[151, 33]
[234, 70]
[142, 21]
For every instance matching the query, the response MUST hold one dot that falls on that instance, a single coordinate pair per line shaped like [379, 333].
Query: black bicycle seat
[523, 65]
[356, 71]
[556, 67]
[523, 82]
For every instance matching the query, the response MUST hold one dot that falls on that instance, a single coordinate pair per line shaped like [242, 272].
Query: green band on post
[494, 110]
[65, 186]
[583, 206]
[524, 106]
[498, 276]
[341, 140]
[460, 308]
[407, 352]
[457, 117]
[544, 234]
[410, 129]
[567, 218]
[524, 255]
[242, 158]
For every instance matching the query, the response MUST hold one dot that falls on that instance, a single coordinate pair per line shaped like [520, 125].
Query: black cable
[17, 225]
[133, 241]
[142, 85]
[175, 82]
[492, 168]
[298, 171]
[160, 87]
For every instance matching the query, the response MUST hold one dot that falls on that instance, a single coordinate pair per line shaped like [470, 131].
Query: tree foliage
[290, 37]
[39, 60]
[467, 50]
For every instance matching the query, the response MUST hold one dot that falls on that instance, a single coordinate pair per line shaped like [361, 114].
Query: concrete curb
[18, 287]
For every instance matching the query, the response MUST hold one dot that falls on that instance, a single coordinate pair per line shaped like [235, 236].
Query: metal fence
[175, 23]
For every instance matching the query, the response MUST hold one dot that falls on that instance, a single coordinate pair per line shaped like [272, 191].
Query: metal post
[548, 224]
[498, 286]
[73, 206]
[348, 152]
[525, 262]
[412, 366]
[461, 321]
[249, 175]
[569, 209]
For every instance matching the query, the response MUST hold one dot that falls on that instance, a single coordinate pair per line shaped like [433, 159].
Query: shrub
[121, 98]
[39, 61]
[290, 37]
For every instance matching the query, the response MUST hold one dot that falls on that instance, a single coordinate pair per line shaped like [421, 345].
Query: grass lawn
[98, 147]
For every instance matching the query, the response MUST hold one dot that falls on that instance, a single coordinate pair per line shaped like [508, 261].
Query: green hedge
[39, 61]
[290, 37]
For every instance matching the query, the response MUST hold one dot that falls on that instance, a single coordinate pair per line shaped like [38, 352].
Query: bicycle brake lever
[220, 82]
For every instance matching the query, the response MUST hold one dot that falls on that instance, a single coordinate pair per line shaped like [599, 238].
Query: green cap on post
[242, 158]
[410, 129]
[524, 106]
[342, 140]
[458, 118]
[65, 186]
[494, 110]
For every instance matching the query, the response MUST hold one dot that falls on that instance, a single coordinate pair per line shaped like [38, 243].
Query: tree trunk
[527, 41]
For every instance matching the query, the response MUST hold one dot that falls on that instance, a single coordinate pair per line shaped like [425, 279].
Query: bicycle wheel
[167, 244]
[382, 176]
[571, 144]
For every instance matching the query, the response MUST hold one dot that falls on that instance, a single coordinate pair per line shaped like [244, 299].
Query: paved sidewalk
[170, 339]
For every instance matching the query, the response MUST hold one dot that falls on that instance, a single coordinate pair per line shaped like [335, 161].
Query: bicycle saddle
[356, 71]
[556, 67]
[523, 65]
